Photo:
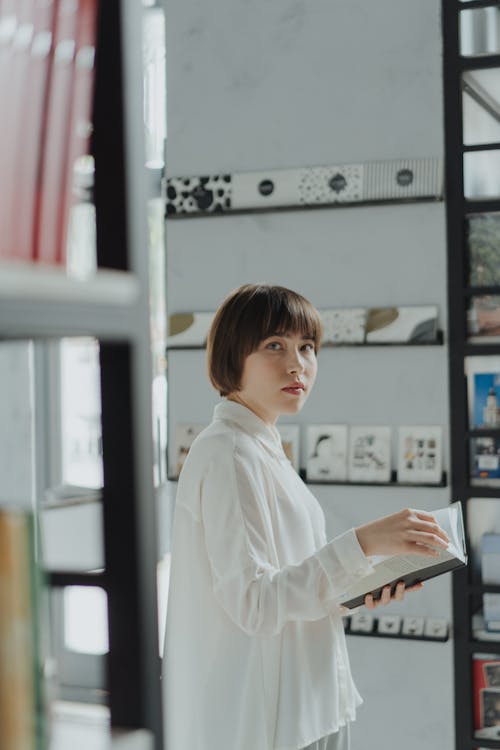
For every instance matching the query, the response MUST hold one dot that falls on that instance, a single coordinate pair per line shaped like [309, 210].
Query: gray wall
[260, 85]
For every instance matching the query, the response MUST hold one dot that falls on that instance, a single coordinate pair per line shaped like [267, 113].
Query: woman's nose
[296, 362]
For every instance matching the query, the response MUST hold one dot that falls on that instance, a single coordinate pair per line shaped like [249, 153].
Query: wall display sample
[362, 622]
[407, 324]
[389, 624]
[486, 691]
[436, 627]
[191, 195]
[490, 574]
[303, 187]
[343, 325]
[400, 179]
[185, 434]
[413, 626]
[326, 452]
[420, 454]
[189, 329]
[403, 179]
[483, 240]
[290, 440]
[413, 568]
[485, 461]
[483, 319]
[369, 454]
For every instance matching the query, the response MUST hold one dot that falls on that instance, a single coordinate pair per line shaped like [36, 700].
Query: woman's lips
[294, 391]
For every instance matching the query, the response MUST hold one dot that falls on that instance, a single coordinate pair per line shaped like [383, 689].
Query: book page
[388, 569]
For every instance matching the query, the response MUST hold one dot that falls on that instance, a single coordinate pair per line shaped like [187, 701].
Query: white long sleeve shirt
[255, 655]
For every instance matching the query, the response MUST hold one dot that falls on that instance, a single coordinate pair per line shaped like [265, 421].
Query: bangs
[276, 310]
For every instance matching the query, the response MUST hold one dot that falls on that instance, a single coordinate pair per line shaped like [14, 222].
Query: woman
[255, 653]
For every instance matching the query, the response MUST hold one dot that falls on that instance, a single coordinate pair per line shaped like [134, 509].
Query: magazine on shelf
[420, 454]
[486, 692]
[326, 452]
[369, 454]
[485, 462]
[412, 569]
[483, 319]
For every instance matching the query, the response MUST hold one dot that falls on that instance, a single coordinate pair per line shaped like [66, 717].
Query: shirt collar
[267, 434]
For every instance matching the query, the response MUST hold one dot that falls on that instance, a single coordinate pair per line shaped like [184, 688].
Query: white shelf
[82, 727]
[43, 301]
[36, 281]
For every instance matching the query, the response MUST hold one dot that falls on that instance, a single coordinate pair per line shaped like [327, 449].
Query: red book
[9, 22]
[80, 122]
[30, 130]
[486, 690]
[47, 231]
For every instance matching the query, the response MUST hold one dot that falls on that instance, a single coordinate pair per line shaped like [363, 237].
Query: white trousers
[338, 741]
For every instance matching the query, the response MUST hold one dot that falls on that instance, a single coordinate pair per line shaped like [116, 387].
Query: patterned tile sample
[309, 186]
[189, 195]
[337, 184]
[403, 178]
[343, 326]
[392, 325]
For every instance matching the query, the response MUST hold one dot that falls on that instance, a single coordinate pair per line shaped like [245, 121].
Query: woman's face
[278, 376]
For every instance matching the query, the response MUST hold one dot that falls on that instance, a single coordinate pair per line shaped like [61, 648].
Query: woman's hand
[408, 532]
[386, 598]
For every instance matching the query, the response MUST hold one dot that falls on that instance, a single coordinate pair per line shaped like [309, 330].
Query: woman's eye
[274, 345]
[308, 347]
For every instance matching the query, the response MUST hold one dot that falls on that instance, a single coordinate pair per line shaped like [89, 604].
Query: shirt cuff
[347, 549]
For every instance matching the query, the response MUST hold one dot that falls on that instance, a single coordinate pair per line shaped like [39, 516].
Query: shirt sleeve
[258, 594]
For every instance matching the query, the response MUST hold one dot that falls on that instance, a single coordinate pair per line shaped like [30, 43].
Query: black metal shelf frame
[457, 210]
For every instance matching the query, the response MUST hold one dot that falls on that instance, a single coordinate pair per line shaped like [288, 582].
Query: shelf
[37, 300]
[483, 491]
[80, 727]
[472, 349]
[479, 61]
[318, 483]
[480, 742]
[61, 579]
[392, 483]
[365, 345]
[375, 633]
[484, 647]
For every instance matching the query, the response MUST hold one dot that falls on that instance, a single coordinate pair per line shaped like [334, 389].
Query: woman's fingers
[427, 523]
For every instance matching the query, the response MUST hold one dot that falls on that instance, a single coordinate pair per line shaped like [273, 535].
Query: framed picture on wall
[420, 454]
[369, 454]
[326, 452]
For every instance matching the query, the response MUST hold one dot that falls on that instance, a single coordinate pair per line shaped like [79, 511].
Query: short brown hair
[249, 315]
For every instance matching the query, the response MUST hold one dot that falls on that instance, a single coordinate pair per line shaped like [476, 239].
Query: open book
[413, 568]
